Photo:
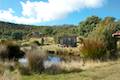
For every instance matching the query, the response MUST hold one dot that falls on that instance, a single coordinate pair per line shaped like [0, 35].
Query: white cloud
[7, 15]
[39, 11]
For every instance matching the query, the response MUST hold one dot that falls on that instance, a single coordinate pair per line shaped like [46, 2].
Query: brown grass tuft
[35, 59]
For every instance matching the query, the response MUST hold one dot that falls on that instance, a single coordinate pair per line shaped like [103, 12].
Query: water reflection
[54, 59]
[23, 61]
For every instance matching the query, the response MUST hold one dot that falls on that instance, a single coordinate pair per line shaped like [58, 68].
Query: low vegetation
[93, 49]
[10, 51]
[105, 71]
[35, 60]
[8, 75]
[96, 49]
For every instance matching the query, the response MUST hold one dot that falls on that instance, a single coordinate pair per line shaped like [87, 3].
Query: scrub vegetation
[96, 56]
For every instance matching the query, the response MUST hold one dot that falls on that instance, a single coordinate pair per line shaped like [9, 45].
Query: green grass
[109, 71]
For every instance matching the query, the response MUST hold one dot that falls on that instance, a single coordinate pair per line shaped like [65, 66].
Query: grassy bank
[106, 71]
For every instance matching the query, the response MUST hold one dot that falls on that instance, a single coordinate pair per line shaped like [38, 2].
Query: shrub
[35, 59]
[10, 51]
[17, 35]
[94, 49]
[103, 35]
[110, 41]
[42, 41]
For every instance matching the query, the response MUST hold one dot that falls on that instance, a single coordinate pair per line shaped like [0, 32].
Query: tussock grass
[68, 51]
[93, 49]
[35, 59]
[63, 67]
[108, 71]
[31, 41]
[74, 66]
[24, 70]
[7, 75]
[9, 50]
[7, 65]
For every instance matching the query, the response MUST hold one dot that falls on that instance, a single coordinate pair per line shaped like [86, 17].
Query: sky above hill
[56, 12]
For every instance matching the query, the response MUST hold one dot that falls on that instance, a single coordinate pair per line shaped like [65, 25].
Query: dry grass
[35, 59]
[78, 65]
[62, 50]
[47, 40]
[73, 66]
[98, 71]
[24, 70]
[7, 65]
[7, 75]
[93, 49]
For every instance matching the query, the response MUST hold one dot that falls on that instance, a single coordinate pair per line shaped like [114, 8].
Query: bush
[110, 41]
[17, 35]
[102, 34]
[93, 49]
[10, 51]
[35, 60]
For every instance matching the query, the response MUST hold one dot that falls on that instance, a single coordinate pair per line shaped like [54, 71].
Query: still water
[51, 59]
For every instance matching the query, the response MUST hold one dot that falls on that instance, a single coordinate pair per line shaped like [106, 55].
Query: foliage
[104, 33]
[100, 43]
[17, 35]
[110, 41]
[87, 26]
[110, 27]
[10, 51]
[7, 29]
[93, 49]
[48, 30]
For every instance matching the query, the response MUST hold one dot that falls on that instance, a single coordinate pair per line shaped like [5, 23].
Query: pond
[50, 60]
[54, 59]
[23, 61]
